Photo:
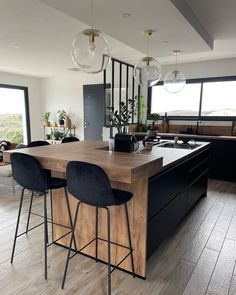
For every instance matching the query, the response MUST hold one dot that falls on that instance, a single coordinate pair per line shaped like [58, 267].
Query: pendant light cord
[147, 45]
[91, 15]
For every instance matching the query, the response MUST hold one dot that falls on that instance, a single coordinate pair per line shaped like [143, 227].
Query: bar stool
[38, 143]
[90, 185]
[69, 139]
[28, 172]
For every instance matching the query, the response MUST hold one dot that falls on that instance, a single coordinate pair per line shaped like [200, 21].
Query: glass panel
[184, 103]
[219, 99]
[12, 115]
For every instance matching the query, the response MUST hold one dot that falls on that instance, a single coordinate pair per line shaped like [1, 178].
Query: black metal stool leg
[70, 217]
[51, 214]
[17, 224]
[29, 213]
[129, 236]
[71, 240]
[96, 246]
[45, 237]
[109, 250]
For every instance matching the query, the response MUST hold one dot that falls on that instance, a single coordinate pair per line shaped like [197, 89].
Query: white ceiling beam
[189, 15]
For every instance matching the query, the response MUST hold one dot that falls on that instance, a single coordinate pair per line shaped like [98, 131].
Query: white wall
[34, 89]
[66, 92]
[204, 69]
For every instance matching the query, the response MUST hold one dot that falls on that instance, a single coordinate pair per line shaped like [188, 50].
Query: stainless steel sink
[187, 146]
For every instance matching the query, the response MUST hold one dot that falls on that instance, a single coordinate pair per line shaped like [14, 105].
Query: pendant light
[91, 49]
[175, 81]
[147, 71]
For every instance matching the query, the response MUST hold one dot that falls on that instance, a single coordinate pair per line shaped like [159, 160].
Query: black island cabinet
[172, 194]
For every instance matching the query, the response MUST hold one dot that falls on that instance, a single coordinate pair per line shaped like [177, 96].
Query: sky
[12, 101]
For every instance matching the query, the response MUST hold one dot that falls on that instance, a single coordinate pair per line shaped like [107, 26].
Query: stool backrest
[28, 172]
[38, 143]
[69, 139]
[89, 183]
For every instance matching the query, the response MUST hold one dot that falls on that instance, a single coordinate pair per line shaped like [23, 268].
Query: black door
[94, 113]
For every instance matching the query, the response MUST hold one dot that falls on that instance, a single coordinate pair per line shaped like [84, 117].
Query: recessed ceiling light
[126, 14]
[15, 46]
[164, 42]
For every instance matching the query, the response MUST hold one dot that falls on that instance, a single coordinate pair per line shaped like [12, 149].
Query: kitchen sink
[187, 146]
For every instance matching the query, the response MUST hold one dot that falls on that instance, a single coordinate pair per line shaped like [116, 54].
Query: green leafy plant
[46, 116]
[154, 117]
[140, 108]
[57, 135]
[61, 114]
[120, 119]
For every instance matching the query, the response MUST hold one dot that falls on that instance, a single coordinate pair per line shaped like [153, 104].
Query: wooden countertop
[120, 167]
[194, 136]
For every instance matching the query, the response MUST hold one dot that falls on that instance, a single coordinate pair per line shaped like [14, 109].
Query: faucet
[176, 140]
[198, 122]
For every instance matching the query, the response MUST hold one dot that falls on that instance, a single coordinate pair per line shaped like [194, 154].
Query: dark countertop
[194, 136]
[173, 156]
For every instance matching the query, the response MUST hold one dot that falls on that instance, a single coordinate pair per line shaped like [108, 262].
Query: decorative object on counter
[68, 122]
[165, 124]
[61, 117]
[148, 145]
[45, 118]
[175, 80]
[120, 119]
[153, 129]
[233, 130]
[91, 49]
[147, 71]
[125, 143]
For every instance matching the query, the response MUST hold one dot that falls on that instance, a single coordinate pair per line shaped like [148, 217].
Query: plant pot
[68, 122]
[46, 124]
[152, 133]
[61, 122]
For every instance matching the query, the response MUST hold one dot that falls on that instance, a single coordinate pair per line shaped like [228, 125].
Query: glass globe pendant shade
[174, 81]
[91, 51]
[147, 71]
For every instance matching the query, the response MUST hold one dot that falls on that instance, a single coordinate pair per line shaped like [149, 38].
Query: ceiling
[36, 35]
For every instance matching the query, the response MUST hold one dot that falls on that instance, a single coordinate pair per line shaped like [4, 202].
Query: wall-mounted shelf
[64, 130]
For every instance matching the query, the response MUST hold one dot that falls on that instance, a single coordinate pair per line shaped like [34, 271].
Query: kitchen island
[165, 183]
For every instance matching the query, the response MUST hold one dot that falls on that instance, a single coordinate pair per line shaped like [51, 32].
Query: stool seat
[55, 183]
[121, 197]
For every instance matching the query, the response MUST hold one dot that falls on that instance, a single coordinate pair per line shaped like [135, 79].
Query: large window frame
[199, 117]
[26, 103]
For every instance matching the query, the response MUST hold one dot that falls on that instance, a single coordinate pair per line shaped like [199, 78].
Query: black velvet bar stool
[38, 143]
[28, 172]
[69, 139]
[89, 184]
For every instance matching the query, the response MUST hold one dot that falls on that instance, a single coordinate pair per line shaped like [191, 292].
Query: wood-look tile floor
[197, 259]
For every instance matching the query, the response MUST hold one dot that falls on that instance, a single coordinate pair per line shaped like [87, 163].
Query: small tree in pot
[61, 116]
[45, 118]
[152, 131]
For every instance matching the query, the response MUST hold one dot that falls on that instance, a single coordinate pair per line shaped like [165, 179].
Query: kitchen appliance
[125, 143]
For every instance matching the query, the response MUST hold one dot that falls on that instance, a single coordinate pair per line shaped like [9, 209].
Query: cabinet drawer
[164, 187]
[197, 170]
[162, 224]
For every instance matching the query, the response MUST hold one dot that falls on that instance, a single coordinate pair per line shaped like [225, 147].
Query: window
[14, 114]
[200, 99]
[184, 103]
[219, 99]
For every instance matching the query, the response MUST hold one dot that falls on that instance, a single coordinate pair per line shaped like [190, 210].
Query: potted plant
[153, 129]
[57, 135]
[45, 118]
[61, 116]
[120, 119]
[141, 111]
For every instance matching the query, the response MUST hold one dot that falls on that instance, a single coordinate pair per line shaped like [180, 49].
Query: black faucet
[198, 122]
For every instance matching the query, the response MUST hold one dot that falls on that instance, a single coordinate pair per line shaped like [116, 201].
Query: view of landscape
[11, 128]
[12, 114]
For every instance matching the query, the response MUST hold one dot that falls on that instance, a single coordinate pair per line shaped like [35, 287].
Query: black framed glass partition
[120, 86]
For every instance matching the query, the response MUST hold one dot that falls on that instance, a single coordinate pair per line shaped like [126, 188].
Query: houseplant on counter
[61, 117]
[45, 118]
[120, 119]
[153, 129]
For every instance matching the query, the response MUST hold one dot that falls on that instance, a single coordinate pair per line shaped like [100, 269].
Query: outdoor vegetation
[11, 128]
